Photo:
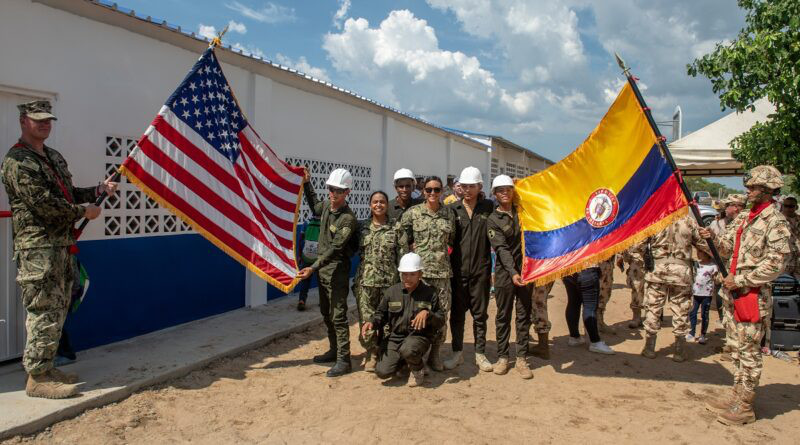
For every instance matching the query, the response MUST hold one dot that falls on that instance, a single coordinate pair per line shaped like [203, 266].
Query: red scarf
[746, 305]
[73, 249]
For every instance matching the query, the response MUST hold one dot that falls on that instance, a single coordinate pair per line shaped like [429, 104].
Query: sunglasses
[403, 186]
[336, 190]
[433, 189]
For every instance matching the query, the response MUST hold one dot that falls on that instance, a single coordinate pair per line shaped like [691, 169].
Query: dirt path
[276, 395]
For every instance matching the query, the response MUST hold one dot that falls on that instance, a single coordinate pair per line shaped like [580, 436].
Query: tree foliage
[696, 184]
[763, 61]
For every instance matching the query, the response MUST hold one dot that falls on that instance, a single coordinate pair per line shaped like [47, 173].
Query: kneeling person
[412, 312]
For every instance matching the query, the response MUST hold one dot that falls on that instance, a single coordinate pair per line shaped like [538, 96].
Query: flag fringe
[286, 288]
[611, 251]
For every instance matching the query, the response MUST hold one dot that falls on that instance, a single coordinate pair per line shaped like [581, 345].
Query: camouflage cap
[764, 175]
[735, 199]
[37, 110]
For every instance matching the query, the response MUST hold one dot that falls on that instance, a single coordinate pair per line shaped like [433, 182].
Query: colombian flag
[613, 191]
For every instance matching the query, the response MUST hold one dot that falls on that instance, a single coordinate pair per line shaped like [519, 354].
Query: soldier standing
[733, 205]
[45, 207]
[634, 276]
[671, 279]
[471, 261]
[758, 244]
[510, 291]
[337, 229]
[381, 247]
[606, 284]
[404, 184]
[430, 229]
[789, 210]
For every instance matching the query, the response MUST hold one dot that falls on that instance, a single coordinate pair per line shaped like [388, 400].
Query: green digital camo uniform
[431, 233]
[337, 243]
[395, 210]
[763, 253]
[43, 220]
[381, 248]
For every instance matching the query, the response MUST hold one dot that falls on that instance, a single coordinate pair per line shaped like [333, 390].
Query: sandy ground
[275, 394]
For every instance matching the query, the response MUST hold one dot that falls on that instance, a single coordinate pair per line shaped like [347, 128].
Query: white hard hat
[404, 173]
[340, 178]
[470, 175]
[410, 262]
[502, 181]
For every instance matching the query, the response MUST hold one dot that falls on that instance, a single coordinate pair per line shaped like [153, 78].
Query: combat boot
[724, 402]
[47, 387]
[328, 357]
[340, 368]
[371, 360]
[483, 363]
[542, 349]
[417, 378]
[501, 367]
[741, 412]
[64, 377]
[523, 369]
[636, 321]
[456, 359]
[434, 359]
[602, 326]
[680, 354]
[649, 350]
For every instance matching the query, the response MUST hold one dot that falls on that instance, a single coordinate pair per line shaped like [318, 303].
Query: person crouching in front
[412, 312]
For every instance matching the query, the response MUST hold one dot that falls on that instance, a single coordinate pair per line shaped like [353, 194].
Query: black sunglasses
[433, 189]
[403, 186]
[336, 190]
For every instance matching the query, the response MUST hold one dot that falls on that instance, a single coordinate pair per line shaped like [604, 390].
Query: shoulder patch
[332, 228]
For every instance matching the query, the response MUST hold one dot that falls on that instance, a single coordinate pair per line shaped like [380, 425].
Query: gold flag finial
[217, 41]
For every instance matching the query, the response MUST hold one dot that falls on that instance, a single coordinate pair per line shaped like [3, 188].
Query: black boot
[328, 357]
[341, 367]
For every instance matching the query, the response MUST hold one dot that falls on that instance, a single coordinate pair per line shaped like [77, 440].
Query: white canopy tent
[707, 151]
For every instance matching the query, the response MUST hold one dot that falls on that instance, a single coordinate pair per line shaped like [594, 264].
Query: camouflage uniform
[793, 265]
[431, 233]
[671, 277]
[541, 322]
[720, 227]
[43, 219]
[606, 285]
[634, 275]
[381, 248]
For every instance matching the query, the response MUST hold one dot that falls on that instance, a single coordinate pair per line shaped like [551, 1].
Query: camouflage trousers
[747, 359]
[445, 294]
[367, 300]
[655, 298]
[635, 280]
[606, 283]
[541, 321]
[728, 323]
[45, 276]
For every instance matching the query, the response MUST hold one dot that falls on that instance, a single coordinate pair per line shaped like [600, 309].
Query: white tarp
[707, 151]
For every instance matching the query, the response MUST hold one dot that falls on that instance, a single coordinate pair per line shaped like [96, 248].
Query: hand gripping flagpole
[675, 170]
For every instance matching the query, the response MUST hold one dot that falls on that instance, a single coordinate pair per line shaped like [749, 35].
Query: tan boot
[723, 403]
[602, 326]
[483, 363]
[649, 350]
[636, 320]
[371, 360]
[47, 387]
[434, 359]
[417, 378]
[741, 412]
[542, 349]
[680, 354]
[501, 367]
[523, 369]
[64, 377]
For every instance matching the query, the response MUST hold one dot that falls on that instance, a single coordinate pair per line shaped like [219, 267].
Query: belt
[672, 260]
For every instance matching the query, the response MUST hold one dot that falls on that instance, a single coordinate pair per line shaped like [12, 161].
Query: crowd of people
[425, 262]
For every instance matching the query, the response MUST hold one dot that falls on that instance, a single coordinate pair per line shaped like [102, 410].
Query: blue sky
[540, 73]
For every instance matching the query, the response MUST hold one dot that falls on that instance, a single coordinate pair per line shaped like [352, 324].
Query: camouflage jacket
[634, 254]
[672, 252]
[337, 234]
[395, 210]
[431, 233]
[763, 249]
[793, 265]
[381, 248]
[41, 214]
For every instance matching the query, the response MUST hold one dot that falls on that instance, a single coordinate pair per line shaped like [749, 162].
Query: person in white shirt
[702, 290]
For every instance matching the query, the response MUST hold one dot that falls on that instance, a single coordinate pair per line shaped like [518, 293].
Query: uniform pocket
[34, 265]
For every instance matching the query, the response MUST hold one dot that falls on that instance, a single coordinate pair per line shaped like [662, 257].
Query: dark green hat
[37, 110]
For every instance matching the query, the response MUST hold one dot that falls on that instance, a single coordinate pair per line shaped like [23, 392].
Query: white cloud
[302, 65]
[207, 31]
[249, 50]
[341, 13]
[237, 27]
[269, 13]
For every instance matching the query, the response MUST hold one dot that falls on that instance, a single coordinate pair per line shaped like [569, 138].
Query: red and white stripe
[248, 205]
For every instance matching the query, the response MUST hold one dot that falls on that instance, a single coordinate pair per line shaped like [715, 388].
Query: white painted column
[255, 289]
[384, 181]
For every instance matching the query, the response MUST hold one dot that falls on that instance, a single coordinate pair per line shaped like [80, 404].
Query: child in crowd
[702, 290]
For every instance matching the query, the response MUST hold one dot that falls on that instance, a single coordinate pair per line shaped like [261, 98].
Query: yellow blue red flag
[614, 190]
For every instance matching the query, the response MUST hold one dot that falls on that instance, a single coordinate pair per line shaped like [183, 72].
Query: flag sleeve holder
[675, 170]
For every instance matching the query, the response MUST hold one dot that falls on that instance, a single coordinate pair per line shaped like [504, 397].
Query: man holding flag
[45, 206]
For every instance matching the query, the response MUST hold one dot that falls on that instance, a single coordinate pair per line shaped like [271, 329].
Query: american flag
[201, 159]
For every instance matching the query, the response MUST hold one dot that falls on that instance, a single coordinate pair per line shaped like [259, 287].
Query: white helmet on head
[340, 178]
[502, 181]
[410, 262]
[470, 175]
[404, 173]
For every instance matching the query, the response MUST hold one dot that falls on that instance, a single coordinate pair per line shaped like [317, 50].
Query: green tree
[696, 184]
[764, 60]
